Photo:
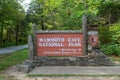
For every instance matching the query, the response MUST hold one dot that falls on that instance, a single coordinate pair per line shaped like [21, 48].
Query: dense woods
[11, 18]
[16, 24]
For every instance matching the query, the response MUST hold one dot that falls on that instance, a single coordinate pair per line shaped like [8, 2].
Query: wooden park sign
[59, 43]
[55, 43]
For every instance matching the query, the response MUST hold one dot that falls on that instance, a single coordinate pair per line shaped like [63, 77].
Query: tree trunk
[42, 17]
[7, 35]
[10, 35]
[1, 36]
[109, 18]
[69, 13]
[16, 39]
[118, 17]
[42, 22]
[53, 20]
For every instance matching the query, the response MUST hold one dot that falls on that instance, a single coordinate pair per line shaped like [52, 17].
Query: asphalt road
[12, 49]
[76, 70]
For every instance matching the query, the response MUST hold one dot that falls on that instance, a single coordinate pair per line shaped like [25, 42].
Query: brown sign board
[93, 28]
[65, 44]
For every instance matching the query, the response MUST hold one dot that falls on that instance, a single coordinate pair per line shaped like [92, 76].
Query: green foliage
[57, 14]
[115, 58]
[111, 49]
[11, 59]
[11, 19]
[115, 32]
[110, 11]
[105, 35]
[67, 14]
[110, 41]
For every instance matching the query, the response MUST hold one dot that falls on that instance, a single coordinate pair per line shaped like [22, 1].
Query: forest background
[16, 23]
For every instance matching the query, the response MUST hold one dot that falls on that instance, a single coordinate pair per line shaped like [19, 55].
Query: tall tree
[10, 10]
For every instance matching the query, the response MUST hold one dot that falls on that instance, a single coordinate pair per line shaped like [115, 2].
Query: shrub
[110, 39]
[111, 49]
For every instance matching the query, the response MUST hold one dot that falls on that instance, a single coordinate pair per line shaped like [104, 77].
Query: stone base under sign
[95, 58]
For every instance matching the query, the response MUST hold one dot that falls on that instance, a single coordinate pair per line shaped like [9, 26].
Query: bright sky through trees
[25, 4]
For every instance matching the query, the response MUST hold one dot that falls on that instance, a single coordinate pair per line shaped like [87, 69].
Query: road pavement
[12, 49]
[76, 70]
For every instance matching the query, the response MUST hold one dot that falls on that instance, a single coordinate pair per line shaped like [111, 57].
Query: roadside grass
[10, 59]
[4, 77]
[115, 58]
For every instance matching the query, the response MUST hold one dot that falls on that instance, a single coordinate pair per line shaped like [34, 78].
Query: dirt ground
[12, 72]
[71, 78]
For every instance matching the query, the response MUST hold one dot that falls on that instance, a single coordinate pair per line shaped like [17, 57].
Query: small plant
[111, 49]
[110, 39]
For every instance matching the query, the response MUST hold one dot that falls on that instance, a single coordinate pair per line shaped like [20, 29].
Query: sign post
[34, 38]
[84, 27]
